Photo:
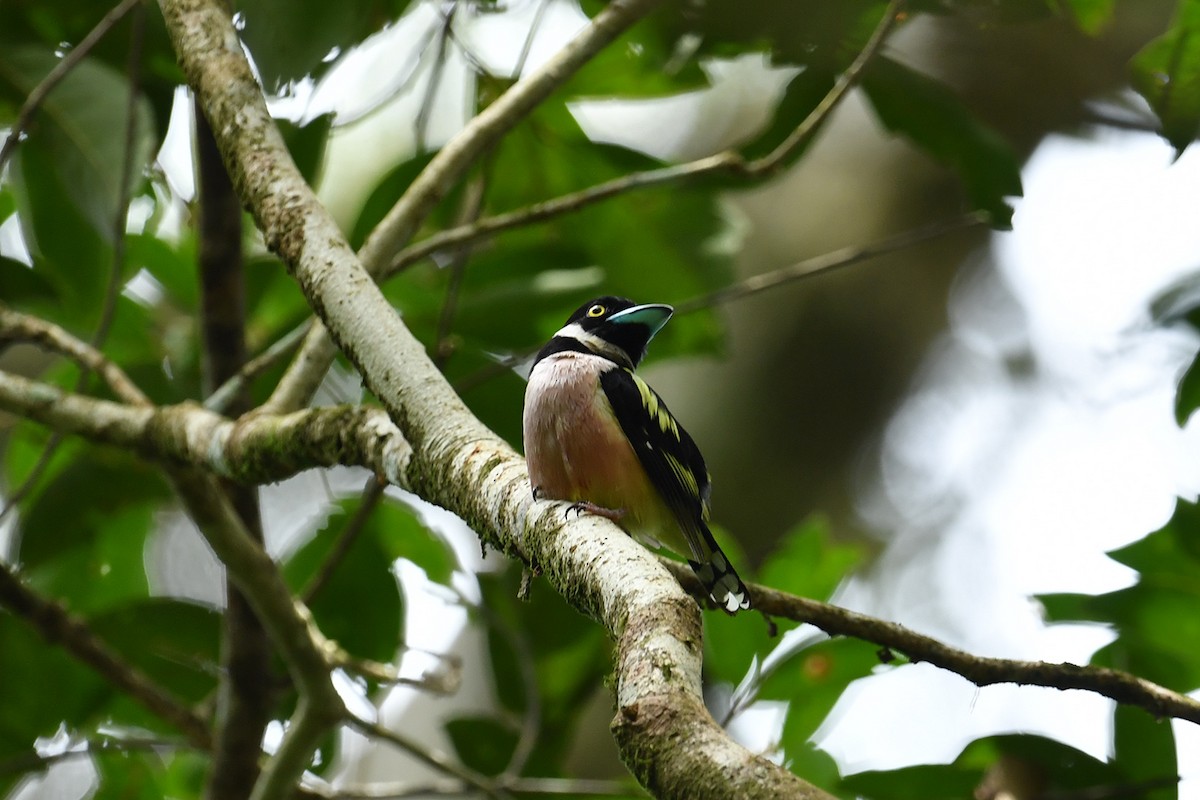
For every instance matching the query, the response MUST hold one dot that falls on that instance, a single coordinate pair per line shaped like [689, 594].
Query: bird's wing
[669, 456]
[676, 468]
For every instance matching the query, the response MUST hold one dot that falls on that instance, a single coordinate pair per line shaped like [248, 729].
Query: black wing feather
[658, 440]
[675, 466]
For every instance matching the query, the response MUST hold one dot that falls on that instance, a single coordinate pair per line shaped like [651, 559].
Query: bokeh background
[984, 416]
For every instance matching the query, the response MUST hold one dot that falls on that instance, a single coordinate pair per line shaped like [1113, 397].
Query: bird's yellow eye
[596, 311]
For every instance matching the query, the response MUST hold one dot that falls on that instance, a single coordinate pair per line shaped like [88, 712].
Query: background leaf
[928, 114]
[1167, 73]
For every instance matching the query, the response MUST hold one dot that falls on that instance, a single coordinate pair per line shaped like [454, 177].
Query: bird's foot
[614, 514]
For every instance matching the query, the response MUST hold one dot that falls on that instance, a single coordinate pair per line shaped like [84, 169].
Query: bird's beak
[653, 315]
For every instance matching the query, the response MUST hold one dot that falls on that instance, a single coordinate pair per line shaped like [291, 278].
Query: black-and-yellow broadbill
[598, 436]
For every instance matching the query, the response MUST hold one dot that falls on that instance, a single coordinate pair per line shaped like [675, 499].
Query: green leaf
[82, 125]
[8, 204]
[814, 678]
[76, 505]
[294, 38]
[1187, 395]
[360, 605]
[21, 285]
[176, 643]
[1167, 73]
[402, 535]
[306, 143]
[804, 92]
[811, 681]
[68, 253]
[1146, 753]
[128, 776]
[82, 536]
[26, 660]
[1158, 629]
[568, 654]
[484, 744]
[935, 120]
[1090, 15]
[925, 782]
[808, 563]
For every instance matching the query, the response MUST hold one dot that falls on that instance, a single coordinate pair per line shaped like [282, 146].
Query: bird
[597, 436]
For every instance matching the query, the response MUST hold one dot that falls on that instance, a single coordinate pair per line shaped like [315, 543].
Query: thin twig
[531, 723]
[980, 670]
[527, 45]
[444, 171]
[845, 257]
[421, 123]
[433, 758]
[445, 682]
[809, 268]
[55, 76]
[472, 206]
[32, 761]
[16, 326]
[283, 347]
[372, 493]
[728, 162]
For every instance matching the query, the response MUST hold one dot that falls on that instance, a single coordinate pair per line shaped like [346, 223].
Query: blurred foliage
[1167, 73]
[85, 530]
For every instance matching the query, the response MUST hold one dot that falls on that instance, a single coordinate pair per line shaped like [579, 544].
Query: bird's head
[613, 327]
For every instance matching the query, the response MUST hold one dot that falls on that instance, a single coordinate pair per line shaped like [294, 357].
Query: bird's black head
[613, 327]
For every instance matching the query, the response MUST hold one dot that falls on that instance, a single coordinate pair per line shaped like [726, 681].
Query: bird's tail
[719, 577]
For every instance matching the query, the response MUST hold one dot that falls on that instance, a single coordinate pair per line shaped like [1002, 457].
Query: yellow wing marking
[655, 410]
[685, 476]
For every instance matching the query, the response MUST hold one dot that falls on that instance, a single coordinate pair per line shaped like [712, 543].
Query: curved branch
[1122, 687]
[16, 326]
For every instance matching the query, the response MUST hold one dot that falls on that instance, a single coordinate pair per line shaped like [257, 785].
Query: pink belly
[575, 447]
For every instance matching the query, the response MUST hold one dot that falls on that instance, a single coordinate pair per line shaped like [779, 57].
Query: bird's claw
[614, 514]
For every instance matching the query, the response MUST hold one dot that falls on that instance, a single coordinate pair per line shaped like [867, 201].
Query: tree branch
[288, 624]
[834, 260]
[445, 170]
[728, 162]
[16, 326]
[59, 626]
[244, 696]
[257, 448]
[980, 670]
[283, 347]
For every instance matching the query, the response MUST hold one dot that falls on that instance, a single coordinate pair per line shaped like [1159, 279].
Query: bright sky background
[997, 486]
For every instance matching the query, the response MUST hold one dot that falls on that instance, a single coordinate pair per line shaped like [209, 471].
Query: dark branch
[980, 670]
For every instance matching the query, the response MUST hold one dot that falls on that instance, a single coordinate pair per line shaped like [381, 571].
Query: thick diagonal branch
[666, 737]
